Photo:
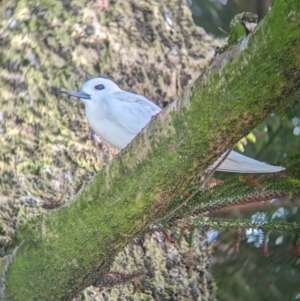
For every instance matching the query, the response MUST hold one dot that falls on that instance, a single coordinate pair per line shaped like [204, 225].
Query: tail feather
[239, 163]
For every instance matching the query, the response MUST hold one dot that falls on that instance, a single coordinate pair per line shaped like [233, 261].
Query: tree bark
[68, 249]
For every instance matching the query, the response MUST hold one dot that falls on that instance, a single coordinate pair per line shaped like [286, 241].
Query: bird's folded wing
[236, 162]
[130, 111]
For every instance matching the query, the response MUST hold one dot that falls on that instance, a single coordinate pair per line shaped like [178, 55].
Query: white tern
[118, 116]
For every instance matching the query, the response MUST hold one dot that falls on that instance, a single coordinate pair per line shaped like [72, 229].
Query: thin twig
[200, 186]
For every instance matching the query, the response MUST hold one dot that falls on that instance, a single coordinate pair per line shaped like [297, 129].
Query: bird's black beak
[79, 94]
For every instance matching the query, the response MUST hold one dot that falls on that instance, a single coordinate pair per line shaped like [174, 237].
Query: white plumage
[236, 162]
[118, 116]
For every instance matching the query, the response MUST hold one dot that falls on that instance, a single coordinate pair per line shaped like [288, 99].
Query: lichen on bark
[47, 152]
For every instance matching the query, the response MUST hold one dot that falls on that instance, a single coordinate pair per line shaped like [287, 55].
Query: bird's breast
[116, 135]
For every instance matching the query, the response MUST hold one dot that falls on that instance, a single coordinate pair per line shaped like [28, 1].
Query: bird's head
[94, 89]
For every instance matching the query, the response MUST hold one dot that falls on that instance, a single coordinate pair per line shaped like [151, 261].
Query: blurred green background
[211, 14]
[249, 275]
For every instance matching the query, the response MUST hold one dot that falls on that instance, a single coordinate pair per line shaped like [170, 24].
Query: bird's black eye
[99, 87]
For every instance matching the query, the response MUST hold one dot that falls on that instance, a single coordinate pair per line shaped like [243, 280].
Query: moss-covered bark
[69, 248]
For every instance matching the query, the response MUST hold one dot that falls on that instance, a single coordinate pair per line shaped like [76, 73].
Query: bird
[117, 116]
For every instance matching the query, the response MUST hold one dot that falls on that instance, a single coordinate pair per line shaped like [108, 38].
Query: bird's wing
[129, 110]
[236, 162]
